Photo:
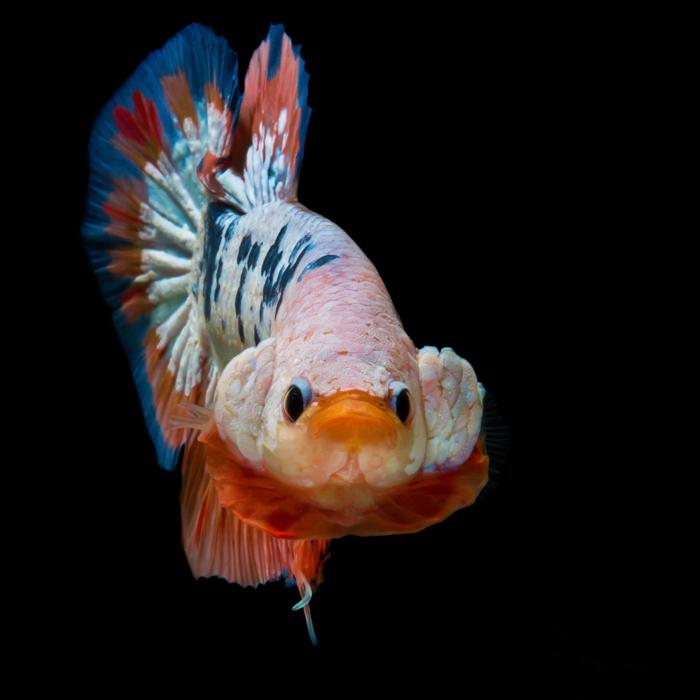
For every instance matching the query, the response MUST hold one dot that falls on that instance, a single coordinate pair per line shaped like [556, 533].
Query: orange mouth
[353, 419]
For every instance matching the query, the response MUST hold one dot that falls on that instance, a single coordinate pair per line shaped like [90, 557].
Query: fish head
[387, 452]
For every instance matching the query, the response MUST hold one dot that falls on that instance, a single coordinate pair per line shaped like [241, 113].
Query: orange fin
[218, 543]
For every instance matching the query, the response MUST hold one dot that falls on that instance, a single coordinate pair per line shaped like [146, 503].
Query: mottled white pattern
[155, 223]
[453, 406]
[267, 173]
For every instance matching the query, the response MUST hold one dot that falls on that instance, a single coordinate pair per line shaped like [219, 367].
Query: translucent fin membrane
[190, 415]
[497, 437]
[310, 625]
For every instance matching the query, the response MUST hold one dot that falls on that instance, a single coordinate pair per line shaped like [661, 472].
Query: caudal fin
[144, 214]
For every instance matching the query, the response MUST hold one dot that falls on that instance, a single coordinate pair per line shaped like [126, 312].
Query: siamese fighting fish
[269, 359]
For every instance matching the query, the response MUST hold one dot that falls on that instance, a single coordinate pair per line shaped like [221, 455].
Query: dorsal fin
[268, 143]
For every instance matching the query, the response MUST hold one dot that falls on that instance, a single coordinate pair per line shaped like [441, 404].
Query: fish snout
[355, 438]
[355, 421]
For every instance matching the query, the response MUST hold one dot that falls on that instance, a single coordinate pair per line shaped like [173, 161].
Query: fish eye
[297, 398]
[400, 400]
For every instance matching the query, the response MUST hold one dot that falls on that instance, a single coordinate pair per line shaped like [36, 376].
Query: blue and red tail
[145, 205]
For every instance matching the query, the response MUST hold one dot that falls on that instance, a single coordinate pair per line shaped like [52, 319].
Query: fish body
[269, 357]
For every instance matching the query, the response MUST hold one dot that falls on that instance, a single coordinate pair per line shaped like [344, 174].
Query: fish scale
[249, 262]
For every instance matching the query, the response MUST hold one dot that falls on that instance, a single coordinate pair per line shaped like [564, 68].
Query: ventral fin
[218, 543]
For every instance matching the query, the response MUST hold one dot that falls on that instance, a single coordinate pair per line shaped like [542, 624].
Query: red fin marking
[207, 170]
[212, 95]
[123, 207]
[220, 119]
[135, 302]
[179, 97]
[126, 262]
[140, 133]
[216, 159]
[264, 100]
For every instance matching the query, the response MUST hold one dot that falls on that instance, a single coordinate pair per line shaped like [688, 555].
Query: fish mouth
[353, 420]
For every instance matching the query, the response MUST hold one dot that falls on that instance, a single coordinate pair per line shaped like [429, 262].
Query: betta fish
[269, 358]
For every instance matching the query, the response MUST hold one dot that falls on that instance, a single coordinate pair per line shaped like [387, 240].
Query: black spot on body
[269, 266]
[253, 255]
[217, 223]
[274, 254]
[212, 239]
[243, 248]
[228, 233]
[256, 335]
[239, 293]
[286, 275]
[217, 289]
[297, 246]
[275, 284]
[323, 260]
[239, 299]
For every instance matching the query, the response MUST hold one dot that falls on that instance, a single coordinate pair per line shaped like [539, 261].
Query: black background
[476, 159]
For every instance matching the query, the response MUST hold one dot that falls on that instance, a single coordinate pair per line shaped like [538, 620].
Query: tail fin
[145, 205]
